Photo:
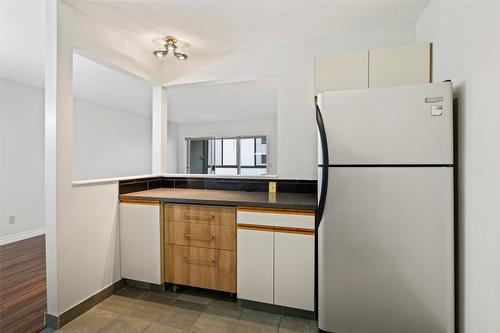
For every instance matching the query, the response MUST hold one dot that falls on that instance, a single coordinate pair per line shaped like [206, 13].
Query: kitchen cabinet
[341, 71]
[255, 265]
[201, 267]
[214, 236]
[140, 241]
[275, 251]
[294, 270]
[200, 249]
[374, 68]
[401, 65]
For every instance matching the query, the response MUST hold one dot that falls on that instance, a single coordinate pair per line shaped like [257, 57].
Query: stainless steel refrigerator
[386, 210]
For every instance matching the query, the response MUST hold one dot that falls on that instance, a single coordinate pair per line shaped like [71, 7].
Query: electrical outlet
[12, 219]
[272, 187]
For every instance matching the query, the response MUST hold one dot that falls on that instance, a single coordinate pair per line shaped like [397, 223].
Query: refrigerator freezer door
[385, 251]
[397, 125]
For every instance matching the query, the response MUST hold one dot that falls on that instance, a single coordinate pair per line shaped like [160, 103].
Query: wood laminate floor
[23, 293]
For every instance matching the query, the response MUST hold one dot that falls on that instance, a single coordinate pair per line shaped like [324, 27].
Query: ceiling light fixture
[160, 53]
[170, 45]
[180, 55]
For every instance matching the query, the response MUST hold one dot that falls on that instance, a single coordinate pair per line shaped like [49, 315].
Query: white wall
[109, 142]
[228, 128]
[172, 147]
[466, 49]
[21, 158]
[82, 221]
[222, 101]
[293, 65]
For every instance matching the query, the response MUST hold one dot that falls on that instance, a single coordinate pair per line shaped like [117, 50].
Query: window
[227, 155]
[253, 156]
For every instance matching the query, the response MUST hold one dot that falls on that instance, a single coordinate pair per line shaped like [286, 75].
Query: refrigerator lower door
[385, 251]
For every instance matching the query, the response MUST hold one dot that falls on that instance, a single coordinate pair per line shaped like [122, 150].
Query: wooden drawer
[200, 214]
[201, 267]
[208, 235]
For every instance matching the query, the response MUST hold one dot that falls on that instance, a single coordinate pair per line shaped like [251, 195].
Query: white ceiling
[208, 26]
[215, 102]
[22, 51]
[102, 84]
[211, 25]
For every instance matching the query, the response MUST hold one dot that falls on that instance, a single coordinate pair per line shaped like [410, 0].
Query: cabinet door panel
[341, 71]
[294, 270]
[401, 65]
[140, 242]
[255, 265]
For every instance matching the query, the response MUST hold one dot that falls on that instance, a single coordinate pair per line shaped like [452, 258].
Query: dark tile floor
[135, 311]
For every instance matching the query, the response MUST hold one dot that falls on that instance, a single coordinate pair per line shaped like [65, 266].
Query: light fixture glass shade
[170, 44]
[180, 55]
[171, 47]
[160, 53]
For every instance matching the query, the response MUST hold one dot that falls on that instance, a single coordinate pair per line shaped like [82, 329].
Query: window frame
[236, 166]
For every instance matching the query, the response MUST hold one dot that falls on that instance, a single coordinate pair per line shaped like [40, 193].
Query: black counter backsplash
[228, 184]
[140, 184]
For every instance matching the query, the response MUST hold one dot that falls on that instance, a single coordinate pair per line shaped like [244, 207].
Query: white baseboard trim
[21, 235]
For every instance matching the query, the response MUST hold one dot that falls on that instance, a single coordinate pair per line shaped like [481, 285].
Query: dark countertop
[301, 201]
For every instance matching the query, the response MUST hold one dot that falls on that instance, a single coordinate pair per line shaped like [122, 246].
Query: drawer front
[200, 214]
[214, 236]
[201, 267]
[276, 218]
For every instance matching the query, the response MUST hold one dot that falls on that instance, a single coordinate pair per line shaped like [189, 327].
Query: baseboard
[21, 235]
[144, 285]
[56, 322]
[278, 309]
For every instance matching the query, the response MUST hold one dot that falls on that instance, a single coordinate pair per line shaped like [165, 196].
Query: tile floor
[133, 310]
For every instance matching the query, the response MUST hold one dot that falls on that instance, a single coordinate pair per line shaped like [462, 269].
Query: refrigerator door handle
[324, 166]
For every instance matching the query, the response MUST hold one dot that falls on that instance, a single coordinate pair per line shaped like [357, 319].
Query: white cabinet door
[401, 65]
[255, 265]
[140, 242]
[341, 71]
[294, 270]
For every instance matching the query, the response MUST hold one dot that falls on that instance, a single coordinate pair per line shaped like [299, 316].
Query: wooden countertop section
[300, 201]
